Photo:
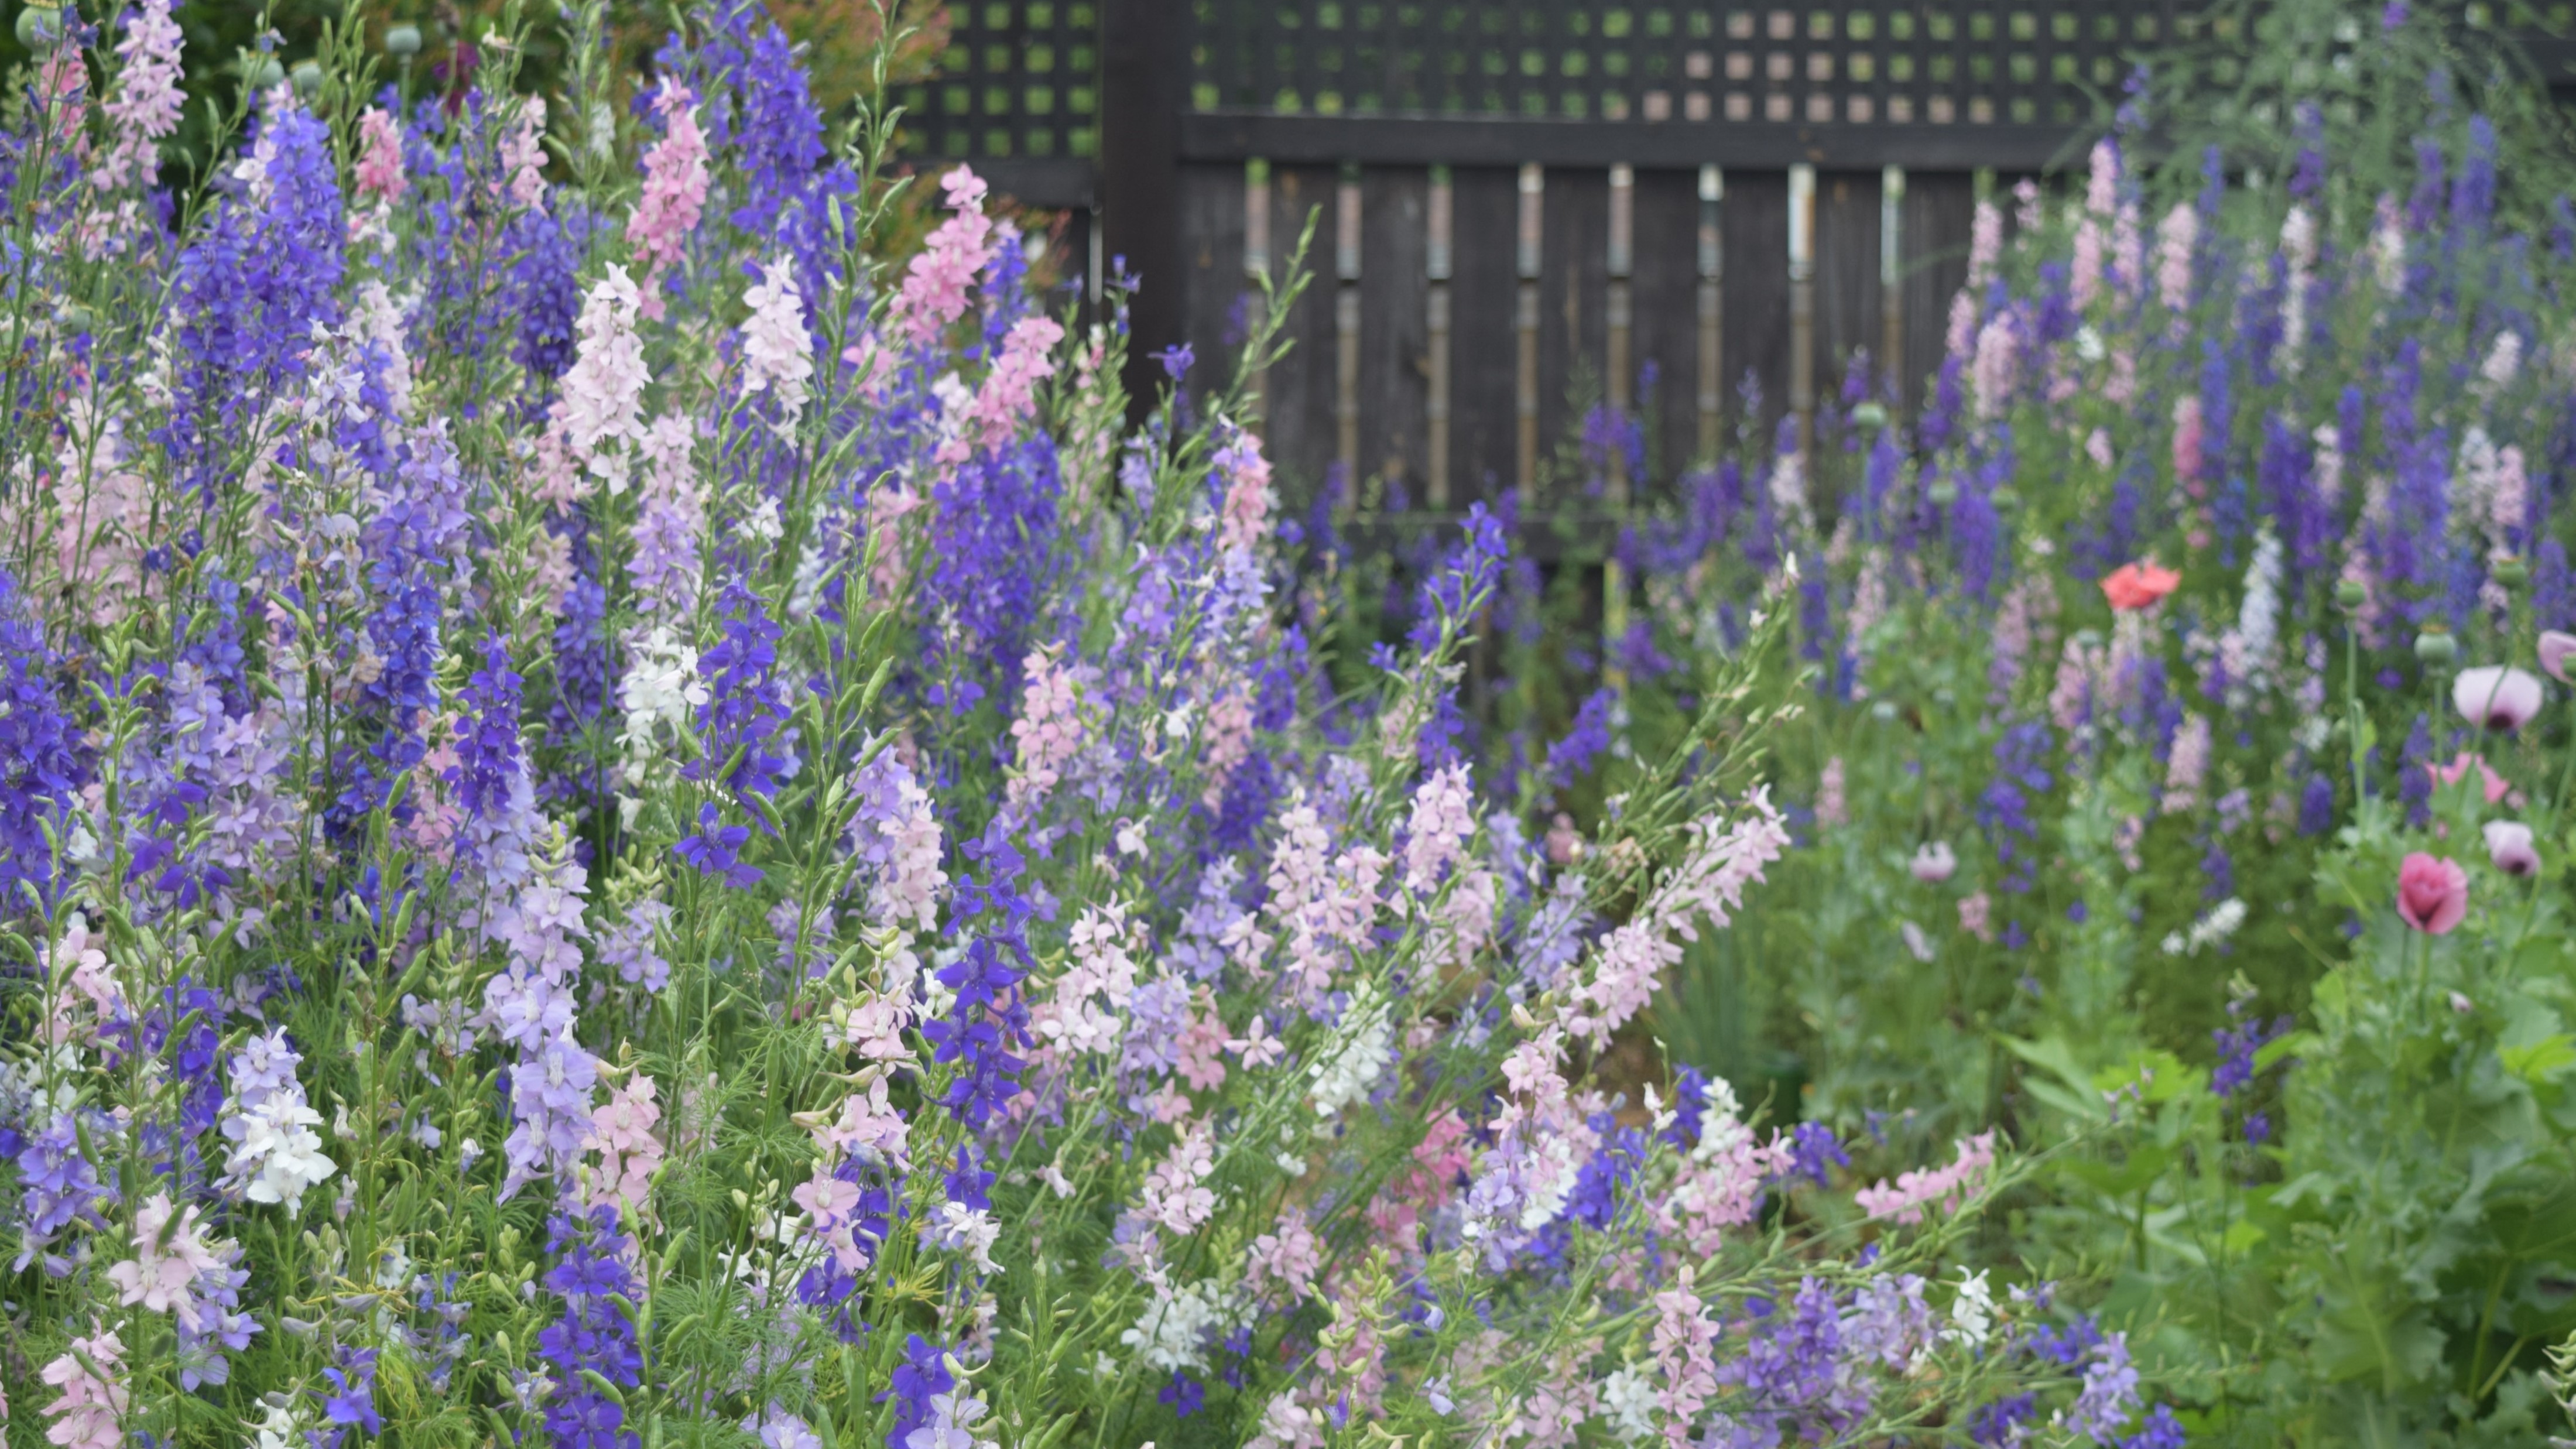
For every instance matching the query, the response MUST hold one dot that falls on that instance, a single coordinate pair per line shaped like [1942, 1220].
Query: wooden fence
[1520, 202]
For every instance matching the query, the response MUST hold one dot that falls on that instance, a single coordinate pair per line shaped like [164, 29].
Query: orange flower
[2137, 585]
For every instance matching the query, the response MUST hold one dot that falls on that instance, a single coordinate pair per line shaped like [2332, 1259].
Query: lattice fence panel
[1020, 82]
[2037, 62]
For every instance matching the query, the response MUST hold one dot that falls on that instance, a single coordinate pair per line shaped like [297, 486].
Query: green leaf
[2542, 1061]
[2078, 1097]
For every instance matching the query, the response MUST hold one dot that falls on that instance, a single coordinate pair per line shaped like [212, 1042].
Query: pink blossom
[2432, 894]
[1086, 1011]
[935, 284]
[777, 351]
[2509, 502]
[1963, 325]
[1684, 1345]
[1228, 740]
[603, 392]
[380, 161]
[1176, 1192]
[1051, 728]
[91, 1412]
[2187, 441]
[1976, 916]
[1442, 819]
[2085, 282]
[1244, 519]
[148, 104]
[2102, 181]
[2491, 784]
[523, 153]
[1935, 862]
[2187, 768]
[169, 1257]
[1985, 245]
[1997, 369]
[2510, 848]
[1709, 882]
[867, 1123]
[674, 194]
[2128, 250]
[1943, 1187]
[2555, 649]
[1287, 1255]
[1009, 393]
[621, 1132]
[2177, 237]
[2497, 696]
[1831, 809]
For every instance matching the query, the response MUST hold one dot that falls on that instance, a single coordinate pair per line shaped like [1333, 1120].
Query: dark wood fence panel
[1573, 286]
[1212, 220]
[1298, 409]
[1485, 208]
[1667, 313]
[1849, 316]
[1395, 313]
[1756, 335]
[1938, 212]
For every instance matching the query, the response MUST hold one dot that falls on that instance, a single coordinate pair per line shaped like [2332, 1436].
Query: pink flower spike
[2509, 847]
[2554, 651]
[2432, 894]
[2497, 697]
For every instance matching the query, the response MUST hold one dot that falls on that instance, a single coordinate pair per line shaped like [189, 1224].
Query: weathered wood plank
[1667, 322]
[1848, 315]
[1486, 201]
[1212, 218]
[1757, 298]
[1938, 210]
[1394, 322]
[1573, 328]
[1302, 433]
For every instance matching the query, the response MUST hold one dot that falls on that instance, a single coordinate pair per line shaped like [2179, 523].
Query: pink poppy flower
[1935, 863]
[2497, 697]
[2432, 894]
[2509, 847]
[2554, 651]
[2491, 784]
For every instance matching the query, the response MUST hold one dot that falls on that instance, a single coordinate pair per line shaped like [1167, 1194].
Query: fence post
[1802, 301]
[1712, 308]
[1891, 283]
[1346, 326]
[1435, 409]
[1144, 74]
[1525, 319]
[1622, 266]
